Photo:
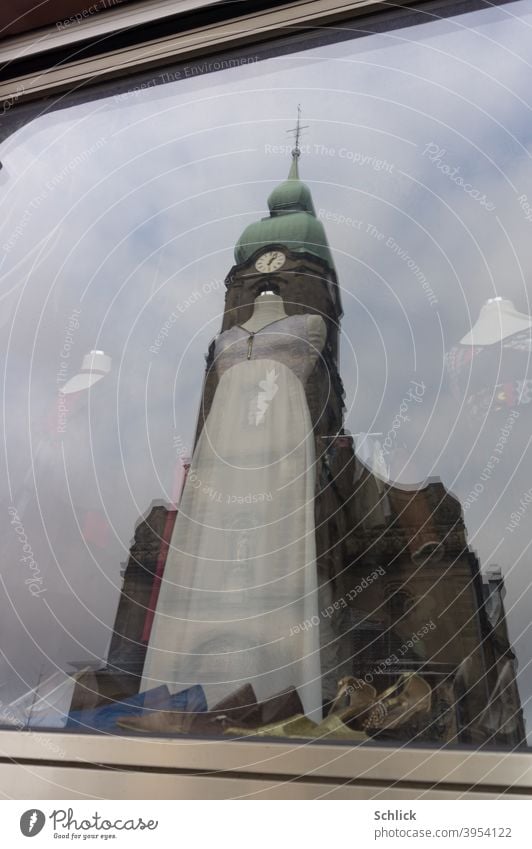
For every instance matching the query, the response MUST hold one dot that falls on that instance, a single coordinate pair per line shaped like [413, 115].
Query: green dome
[299, 231]
[292, 222]
[292, 195]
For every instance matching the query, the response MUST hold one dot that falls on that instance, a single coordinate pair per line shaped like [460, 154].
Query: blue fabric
[104, 718]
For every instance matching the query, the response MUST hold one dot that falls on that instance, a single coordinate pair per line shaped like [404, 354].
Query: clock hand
[272, 259]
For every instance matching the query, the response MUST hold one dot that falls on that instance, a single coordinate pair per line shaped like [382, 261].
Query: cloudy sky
[127, 207]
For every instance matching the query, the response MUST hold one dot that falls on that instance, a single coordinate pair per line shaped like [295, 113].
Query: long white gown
[238, 600]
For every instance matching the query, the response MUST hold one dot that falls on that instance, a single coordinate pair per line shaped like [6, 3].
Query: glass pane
[266, 394]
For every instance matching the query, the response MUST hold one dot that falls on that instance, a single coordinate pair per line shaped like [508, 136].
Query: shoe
[333, 726]
[408, 698]
[240, 707]
[353, 700]
[240, 710]
[297, 726]
[283, 705]
[303, 728]
[159, 722]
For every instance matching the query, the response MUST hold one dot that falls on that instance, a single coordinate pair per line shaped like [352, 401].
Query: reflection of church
[399, 591]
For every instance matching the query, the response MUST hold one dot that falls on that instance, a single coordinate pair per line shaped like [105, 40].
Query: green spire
[292, 195]
[292, 221]
[293, 174]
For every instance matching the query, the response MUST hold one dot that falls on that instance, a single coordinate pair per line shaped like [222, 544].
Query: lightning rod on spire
[297, 132]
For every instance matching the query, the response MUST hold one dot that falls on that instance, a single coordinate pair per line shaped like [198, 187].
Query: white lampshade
[95, 365]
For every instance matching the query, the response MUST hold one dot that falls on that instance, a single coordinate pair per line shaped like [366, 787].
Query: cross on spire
[296, 132]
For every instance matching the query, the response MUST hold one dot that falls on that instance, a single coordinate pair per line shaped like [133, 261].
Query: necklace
[252, 333]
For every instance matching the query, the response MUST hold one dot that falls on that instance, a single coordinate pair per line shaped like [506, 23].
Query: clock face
[270, 261]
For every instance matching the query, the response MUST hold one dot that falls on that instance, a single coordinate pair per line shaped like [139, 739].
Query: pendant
[250, 345]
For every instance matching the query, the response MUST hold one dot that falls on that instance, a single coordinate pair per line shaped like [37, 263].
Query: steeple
[292, 221]
[292, 195]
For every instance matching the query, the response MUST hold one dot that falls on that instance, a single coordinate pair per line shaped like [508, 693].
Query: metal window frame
[60, 765]
[79, 763]
[181, 45]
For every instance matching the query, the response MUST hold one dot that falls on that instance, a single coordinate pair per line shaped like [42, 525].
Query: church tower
[287, 252]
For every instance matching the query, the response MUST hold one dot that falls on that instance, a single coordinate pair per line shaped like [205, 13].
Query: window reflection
[336, 546]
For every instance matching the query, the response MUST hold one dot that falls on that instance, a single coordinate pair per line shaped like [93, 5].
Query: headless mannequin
[498, 319]
[269, 308]
[280, 451]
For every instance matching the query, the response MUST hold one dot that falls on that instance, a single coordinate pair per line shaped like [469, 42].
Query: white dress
[238, 600]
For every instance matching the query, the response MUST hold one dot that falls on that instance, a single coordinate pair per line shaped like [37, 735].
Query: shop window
[267, 336]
